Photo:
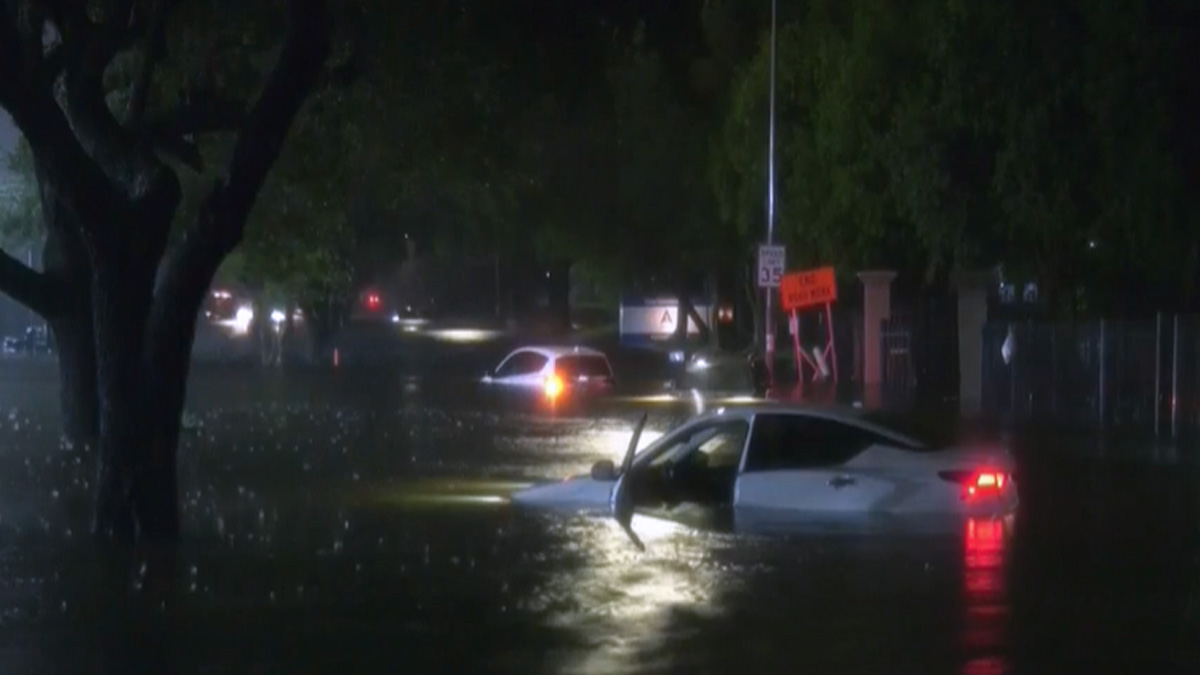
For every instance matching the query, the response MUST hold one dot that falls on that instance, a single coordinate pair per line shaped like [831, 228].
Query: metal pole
[798, 351]
[1175, 381]
[1157, 374]
[1103, 404]
[831, 348]
[769, 314]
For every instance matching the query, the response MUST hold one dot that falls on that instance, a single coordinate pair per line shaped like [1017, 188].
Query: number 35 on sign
[772, 261]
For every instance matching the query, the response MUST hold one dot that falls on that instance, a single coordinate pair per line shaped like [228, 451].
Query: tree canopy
[931, 135]
[925, 135]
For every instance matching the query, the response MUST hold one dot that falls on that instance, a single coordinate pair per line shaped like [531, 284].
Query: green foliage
[20, 208]
[930, 135]
[924, 135]
[618, 178]
[407, 145]
[298, 240]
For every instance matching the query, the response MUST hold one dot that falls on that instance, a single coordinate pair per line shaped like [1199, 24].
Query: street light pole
[768, 305]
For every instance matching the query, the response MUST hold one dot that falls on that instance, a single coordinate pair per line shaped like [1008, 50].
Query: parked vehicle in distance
[552, 374]
[772, 462]
[35, 340]
[732, 372]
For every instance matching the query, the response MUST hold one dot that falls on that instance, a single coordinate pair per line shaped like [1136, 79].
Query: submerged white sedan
[776, 461]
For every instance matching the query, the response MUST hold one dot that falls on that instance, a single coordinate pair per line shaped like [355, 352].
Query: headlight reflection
[627, 596]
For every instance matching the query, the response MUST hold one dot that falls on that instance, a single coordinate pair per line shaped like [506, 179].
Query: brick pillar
[877, 306]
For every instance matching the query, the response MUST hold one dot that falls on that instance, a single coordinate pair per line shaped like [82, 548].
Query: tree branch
[29, 287]
[190, 267]
[182, 150]
[14, 54]
[152, 52]
[199, 115]
[207, 112]
[305, 51]
[30, 102]
[172, 132]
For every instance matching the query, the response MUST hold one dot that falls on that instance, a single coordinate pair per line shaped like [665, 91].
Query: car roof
[555, 351]
[847, 415]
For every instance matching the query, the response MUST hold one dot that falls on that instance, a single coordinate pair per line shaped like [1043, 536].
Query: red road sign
[801, 290]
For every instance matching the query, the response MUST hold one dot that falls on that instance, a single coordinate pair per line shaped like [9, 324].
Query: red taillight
[978, 483]
[985, 482]
[988, 479]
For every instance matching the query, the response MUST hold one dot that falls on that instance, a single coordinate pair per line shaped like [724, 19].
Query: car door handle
[839, 482]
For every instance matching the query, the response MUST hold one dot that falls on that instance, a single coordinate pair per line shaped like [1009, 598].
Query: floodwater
[351, 522]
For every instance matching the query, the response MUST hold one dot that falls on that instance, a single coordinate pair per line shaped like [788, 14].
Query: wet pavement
[355, 522]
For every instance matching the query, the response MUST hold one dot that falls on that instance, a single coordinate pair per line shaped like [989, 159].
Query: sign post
[807, 290]
[772, 263]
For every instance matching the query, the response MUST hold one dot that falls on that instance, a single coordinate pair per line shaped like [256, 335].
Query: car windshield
[572, 367]
[669, 438]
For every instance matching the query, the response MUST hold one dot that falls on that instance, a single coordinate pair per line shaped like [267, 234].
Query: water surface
[343, 524]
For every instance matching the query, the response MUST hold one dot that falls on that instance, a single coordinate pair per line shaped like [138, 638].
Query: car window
[722, 442]
[522, 363]
[929, 432]
[573, 367]
[782, 441]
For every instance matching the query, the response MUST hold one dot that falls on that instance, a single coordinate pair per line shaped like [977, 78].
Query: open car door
[622, 501]
[690, 475]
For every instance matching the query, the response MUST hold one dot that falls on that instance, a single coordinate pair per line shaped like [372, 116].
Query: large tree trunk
[78, 393]
[142, 393]
[120, 308]
[66, 260]
[104, 189]
[158, 504]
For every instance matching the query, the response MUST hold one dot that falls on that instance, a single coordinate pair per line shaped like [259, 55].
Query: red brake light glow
[985, 482]
[373, 301]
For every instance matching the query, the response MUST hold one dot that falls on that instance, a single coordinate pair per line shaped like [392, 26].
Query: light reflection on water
[627, 599]
[327, 538]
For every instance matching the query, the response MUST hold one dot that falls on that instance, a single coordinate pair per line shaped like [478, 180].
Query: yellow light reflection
[446, 493]
[737, 400]
[627, 596]
[653, 398]
[464, 335]
[450, 500]
[690, 398]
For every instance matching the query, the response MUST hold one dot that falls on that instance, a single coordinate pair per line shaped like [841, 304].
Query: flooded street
[345, 524]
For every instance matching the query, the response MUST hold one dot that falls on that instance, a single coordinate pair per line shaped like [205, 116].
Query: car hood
[580, 492]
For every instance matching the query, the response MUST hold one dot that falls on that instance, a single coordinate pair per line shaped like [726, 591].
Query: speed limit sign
[772, 261]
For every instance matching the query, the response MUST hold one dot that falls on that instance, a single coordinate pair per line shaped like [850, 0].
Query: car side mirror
[604, 470]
